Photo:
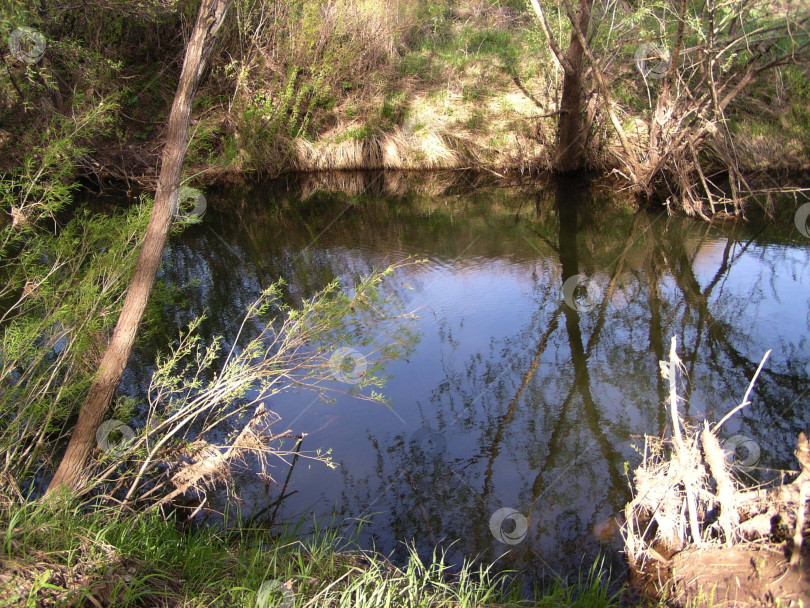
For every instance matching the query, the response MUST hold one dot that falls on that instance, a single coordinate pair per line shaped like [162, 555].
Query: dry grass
[377, 29]
[396, 150]
[366, 84]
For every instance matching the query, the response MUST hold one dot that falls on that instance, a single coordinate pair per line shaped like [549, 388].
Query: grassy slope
[466, 92]
[473, 86]
[407, 85]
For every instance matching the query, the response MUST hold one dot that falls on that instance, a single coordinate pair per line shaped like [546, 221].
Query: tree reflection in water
[513, 398]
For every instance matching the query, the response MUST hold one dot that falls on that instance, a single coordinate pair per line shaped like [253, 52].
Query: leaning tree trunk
[210, 18]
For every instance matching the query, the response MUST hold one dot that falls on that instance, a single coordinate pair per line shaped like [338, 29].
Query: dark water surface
[512, 398]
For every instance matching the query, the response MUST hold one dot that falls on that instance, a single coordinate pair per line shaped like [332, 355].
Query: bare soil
[740, 576]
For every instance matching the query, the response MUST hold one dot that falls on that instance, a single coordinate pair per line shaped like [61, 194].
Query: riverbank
[416, 86]
[70, 555]
[307, 87]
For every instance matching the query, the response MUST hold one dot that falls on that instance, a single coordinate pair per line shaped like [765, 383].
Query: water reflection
[513, 399]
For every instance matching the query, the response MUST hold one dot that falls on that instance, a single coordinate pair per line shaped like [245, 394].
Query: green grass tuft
[127, 559]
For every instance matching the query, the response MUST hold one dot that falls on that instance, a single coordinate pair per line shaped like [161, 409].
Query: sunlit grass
[58, 553]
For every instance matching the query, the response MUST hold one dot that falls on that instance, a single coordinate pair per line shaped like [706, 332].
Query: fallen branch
[687, 496]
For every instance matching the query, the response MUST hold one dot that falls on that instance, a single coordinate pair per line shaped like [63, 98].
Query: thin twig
[747, 393]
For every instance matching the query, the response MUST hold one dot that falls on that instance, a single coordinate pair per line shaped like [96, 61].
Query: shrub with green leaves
[61, 296]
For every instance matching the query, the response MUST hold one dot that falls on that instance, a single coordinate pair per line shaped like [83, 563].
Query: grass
[774, 121]
[60, 553]
[373, 65]
[421, 65]
[431, 67]
[355, 133]
[476, 121]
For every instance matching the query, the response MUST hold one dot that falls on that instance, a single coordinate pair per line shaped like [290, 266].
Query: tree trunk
[210, 18]
[570, 128]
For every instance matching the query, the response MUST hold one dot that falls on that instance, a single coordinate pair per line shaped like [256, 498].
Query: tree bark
[69, 473]
[570, 134]
[571, 137]
[630, 162]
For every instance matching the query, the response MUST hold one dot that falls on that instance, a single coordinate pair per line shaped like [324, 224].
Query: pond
[513, 423]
